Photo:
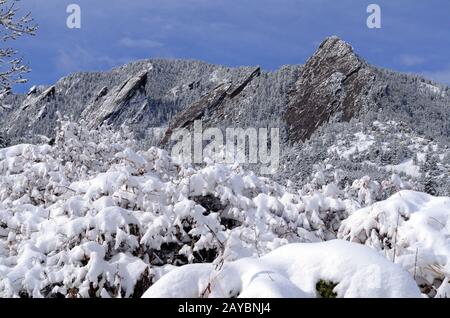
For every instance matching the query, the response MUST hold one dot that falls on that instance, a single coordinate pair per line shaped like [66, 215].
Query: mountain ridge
[308, 85]
[309, 103]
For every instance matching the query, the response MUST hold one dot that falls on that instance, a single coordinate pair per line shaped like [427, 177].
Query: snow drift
[411, 229]
[292, 271]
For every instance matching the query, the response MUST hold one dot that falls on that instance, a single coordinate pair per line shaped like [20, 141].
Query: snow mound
[411, 229]
[293, 270]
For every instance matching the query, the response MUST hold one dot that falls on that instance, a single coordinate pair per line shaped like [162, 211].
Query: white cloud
[442, 76]
[140, 43]
[80, 59]
[411, 60]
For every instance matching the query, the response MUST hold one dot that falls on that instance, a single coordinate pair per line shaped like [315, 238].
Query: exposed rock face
[333, 83]
[213, 102]
[240, 86]
[101, 93]
[37, 105]
[107, 107]
[196, 111]
[33, 100]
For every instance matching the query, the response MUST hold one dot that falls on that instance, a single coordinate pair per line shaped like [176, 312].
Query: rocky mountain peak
[334, 46]
[331, 85]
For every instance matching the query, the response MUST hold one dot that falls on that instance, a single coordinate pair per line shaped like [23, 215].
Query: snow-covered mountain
[362, 192]
[334, 90]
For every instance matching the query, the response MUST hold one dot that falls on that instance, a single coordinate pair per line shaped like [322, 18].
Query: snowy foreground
[92, 217]
[292, 271]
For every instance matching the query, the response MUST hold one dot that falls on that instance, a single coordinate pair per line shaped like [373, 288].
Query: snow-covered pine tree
[430, 172]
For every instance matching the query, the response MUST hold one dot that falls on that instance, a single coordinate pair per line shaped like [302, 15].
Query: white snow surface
[408, 167]
[91, 216]
[411, 229]
[292, 271]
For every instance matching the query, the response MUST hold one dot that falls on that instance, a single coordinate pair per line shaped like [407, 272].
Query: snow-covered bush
[410, 229]
[90, 215]
[292, 271]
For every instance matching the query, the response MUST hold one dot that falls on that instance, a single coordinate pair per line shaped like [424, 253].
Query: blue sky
[415, 35]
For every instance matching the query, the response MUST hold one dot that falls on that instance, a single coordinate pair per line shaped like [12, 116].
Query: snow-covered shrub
[410, 229]
[90, 216]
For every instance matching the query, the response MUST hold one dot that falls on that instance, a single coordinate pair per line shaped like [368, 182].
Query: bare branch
[12, 68]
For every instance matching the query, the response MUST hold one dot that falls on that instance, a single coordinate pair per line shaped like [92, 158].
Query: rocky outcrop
[333, 83]
[101, 93]
[44, 97]
[108, 105]
[196, 111]
[213, 102]
[235, 90]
